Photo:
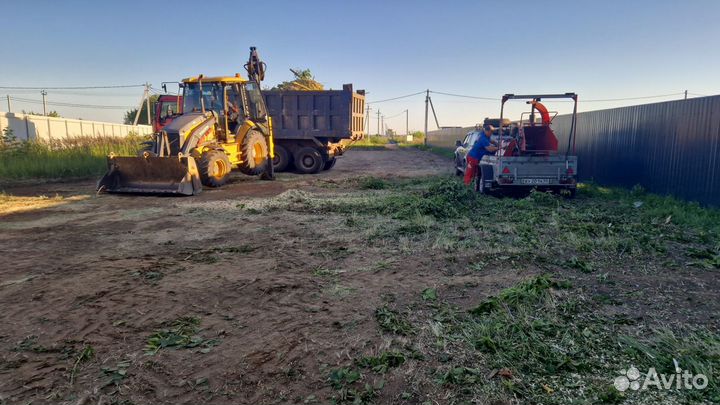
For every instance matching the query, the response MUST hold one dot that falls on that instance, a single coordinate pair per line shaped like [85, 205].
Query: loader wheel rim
[220, 169]
[258, 153]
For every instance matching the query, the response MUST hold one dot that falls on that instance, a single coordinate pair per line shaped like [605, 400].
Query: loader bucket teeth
[151, 175]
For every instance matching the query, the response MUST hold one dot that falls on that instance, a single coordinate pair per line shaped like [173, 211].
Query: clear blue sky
[599, 49]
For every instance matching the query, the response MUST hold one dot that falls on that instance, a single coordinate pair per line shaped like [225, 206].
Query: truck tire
[329, 164]
[308, 160]
[214, 168]
[254, 152]
[282, 158]
[458, 171]
[570, 193]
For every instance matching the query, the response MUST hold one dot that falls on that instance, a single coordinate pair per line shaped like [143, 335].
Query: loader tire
[282, 158]
[254, 151]
[214, 168]
[329, 164]
[308, 160]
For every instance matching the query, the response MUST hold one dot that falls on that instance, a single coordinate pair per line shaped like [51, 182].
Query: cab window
[256, 106]
[167, 109]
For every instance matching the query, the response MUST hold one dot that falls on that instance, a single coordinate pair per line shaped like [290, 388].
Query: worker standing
[482, 146]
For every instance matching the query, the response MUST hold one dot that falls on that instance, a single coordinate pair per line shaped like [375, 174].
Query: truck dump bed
[329, 114]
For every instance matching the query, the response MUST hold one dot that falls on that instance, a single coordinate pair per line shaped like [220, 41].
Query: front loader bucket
[151, 174]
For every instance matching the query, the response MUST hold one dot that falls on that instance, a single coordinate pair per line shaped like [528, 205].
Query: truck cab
[166, 109]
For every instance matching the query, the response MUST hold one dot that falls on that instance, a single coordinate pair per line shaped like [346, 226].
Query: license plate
[536, 181]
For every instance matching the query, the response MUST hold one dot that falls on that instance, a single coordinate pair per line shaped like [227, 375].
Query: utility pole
[407, 120]
[378, 122]
[383, 126]
[44, 93]
[368, 120]
[8, 100]
[147, 101]
[427, 101]
[685, 94]
[140, 106]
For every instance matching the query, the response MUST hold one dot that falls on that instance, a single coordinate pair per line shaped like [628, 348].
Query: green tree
[129, 117]
[52, 113]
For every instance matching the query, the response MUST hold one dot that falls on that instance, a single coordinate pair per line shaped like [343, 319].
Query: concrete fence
[446, 137]
[37, 127]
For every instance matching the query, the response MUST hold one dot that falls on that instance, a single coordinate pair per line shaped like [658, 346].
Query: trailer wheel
[254, 152]
[214, 168]
[281, 159]
[480, 181]
[329, 164]
[308, 160]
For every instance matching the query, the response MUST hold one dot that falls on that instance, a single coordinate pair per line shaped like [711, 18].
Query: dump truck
[529, 155]
[310, 128]
[224, 123]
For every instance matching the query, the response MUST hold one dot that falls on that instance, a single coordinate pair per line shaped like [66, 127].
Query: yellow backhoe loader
[223, 123]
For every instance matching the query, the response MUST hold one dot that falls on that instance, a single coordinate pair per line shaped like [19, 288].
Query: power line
[61, 104]
[396, 115]
[464, 96]
[396, 98]
[629, 98]
[72, 87]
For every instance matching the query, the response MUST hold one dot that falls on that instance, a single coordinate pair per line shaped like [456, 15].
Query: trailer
[530, 157]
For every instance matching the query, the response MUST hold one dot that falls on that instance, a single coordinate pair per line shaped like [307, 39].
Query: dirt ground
[93, 287]
[106, 271]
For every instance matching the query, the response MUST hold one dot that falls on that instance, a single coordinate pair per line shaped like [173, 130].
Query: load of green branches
[304, 81]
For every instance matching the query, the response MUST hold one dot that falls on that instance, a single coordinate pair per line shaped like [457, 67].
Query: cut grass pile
[182, 333]
[553, 346]
[11, 204]
[63, 158]
[600, 225]
[541, 340]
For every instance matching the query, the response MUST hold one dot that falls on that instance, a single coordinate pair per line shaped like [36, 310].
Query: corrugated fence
[668, 148]
[38, 127]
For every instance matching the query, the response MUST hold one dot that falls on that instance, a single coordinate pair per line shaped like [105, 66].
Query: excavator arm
[256, 72]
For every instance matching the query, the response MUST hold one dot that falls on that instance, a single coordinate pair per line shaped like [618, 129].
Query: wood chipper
[223, 122]
[529, 155]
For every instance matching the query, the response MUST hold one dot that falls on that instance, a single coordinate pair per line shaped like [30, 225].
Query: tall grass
[378, 140]
[63, 158]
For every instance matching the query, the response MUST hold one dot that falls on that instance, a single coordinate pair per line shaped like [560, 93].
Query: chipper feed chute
[151, 174]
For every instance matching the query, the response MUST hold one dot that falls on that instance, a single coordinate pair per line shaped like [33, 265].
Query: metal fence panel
[668, 148]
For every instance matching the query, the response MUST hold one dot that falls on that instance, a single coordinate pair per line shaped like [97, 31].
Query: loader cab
[232, 99]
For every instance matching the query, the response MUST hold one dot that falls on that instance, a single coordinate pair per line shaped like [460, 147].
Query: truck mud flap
[151, 175]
